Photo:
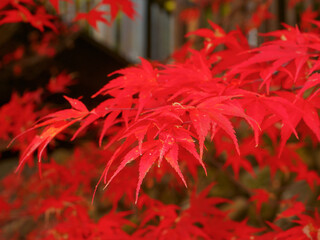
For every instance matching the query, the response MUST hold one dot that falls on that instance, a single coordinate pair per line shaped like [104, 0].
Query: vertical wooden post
[148, 30]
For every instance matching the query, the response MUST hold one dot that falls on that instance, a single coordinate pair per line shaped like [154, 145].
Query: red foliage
[224, 108]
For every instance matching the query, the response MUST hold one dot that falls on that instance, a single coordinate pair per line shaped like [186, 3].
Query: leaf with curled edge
[41, 141]
[55, 123]
[76, 104]
[78, 111]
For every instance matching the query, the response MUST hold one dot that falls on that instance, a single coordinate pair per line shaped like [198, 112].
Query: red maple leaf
[60, 83]
[38, 20]
[93, 17]
[189, 14]
[260, 196]
[55, 123]
[126, 6]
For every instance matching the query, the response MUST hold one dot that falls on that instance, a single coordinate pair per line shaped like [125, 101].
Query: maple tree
[226, 110]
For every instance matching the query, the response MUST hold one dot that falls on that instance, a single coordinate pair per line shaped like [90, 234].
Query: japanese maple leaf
[307, 16]
[293, 49]
[15, 3]
[217, 35]
[235, 43]
[201, 204]
[126, 6]
[156, 137]
[60, 83]
[306, 110]
[261, 13]
[13, 16]
[295, 209]
[166, 147]
[55, 123]
[189, 14]
[260, 196]
[215, 111]
[38, 20]
[93, 17]
[269, 110]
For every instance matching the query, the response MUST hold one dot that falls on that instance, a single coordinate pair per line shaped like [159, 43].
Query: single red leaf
[76, 104]
[126, 6]
[60, 83]
[296, 209]
[43, 140]
[93, 17]
[260, 196]
[129, 157]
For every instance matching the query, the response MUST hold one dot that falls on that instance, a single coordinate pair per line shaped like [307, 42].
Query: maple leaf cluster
[224, 109]
[29, 11]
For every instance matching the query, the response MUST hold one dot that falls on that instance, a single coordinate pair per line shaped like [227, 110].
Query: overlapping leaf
[55, 123]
